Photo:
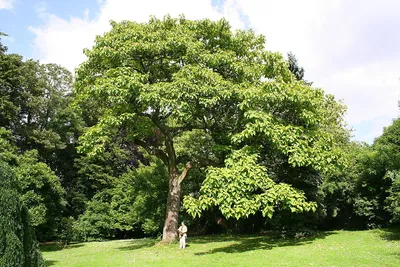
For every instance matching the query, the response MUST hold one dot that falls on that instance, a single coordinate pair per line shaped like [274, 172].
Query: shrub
[18, 245]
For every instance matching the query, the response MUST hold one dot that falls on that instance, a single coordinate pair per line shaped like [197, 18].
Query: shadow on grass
[139, 244]
[249, 243]
[50, 263]
[391, 234]
[57, 246]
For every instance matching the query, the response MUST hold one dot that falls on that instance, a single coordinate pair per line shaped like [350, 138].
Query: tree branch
[190, 165]
[153, 151]
[185, 172]
[178, 130]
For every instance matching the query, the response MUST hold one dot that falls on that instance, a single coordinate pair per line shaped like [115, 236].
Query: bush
[133, 207]
[18, 245]
[66, 233]
[392, 202]
[42, 194]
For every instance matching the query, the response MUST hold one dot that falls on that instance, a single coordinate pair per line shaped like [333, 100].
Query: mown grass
[337, 248]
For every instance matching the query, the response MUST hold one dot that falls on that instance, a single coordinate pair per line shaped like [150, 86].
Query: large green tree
[171, 85]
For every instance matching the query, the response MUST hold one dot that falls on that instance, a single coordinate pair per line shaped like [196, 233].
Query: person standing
[182, 235]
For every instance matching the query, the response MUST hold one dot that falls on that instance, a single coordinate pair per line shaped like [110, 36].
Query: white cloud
[348, 48]
[371, 91]
[62, 41]
[6, 4]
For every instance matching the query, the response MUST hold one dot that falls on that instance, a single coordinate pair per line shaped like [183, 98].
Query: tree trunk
[174, 195]
[170, 231]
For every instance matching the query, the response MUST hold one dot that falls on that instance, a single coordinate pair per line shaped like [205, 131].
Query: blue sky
[350, 49]
[24, 13]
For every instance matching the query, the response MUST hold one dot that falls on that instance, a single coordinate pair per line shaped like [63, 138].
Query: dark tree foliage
[3, 48]
[36, 127]
[294, 67]
[391, 139]
[365, 194]
[388, 146]
[40, 189]
[297, 70]
[18, 246]
[132, 206]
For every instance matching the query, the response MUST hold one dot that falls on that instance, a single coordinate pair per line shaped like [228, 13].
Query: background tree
[3, 48]
[365, 193]
[18, 246]
[388, 145]
[392, 201]
[35, 128]
[39, 187]
[294, 67]
[42, 194]
[134, 206]
[34, 106]
[297, 70]
[33, 98]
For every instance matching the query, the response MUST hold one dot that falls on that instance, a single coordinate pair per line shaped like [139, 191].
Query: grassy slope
[338, 248]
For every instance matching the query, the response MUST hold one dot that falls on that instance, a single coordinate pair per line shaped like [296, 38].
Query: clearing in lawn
[336, 248]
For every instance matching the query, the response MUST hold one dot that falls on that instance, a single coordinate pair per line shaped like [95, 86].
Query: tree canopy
[159, 82]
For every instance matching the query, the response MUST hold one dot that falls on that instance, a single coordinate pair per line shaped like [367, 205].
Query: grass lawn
[337, 248]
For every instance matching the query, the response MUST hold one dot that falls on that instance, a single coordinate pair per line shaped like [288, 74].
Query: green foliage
[8, 152]
[198, 146]
[178, 75]
[33, 97]
[388, 146]
[339, 190]
[297, 71]
[242, 188]
[193, 90]
[18, 246]
[96, 222]
[34, 110]
[101, 170]
[3, 48]
[365, 193]
[135, 203]
[41, 190]
[66, 231]
[292, 119]
[390, 136]
[42, 193]
[393, 200]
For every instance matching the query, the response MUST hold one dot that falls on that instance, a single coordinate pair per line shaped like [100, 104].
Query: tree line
[186, 120]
